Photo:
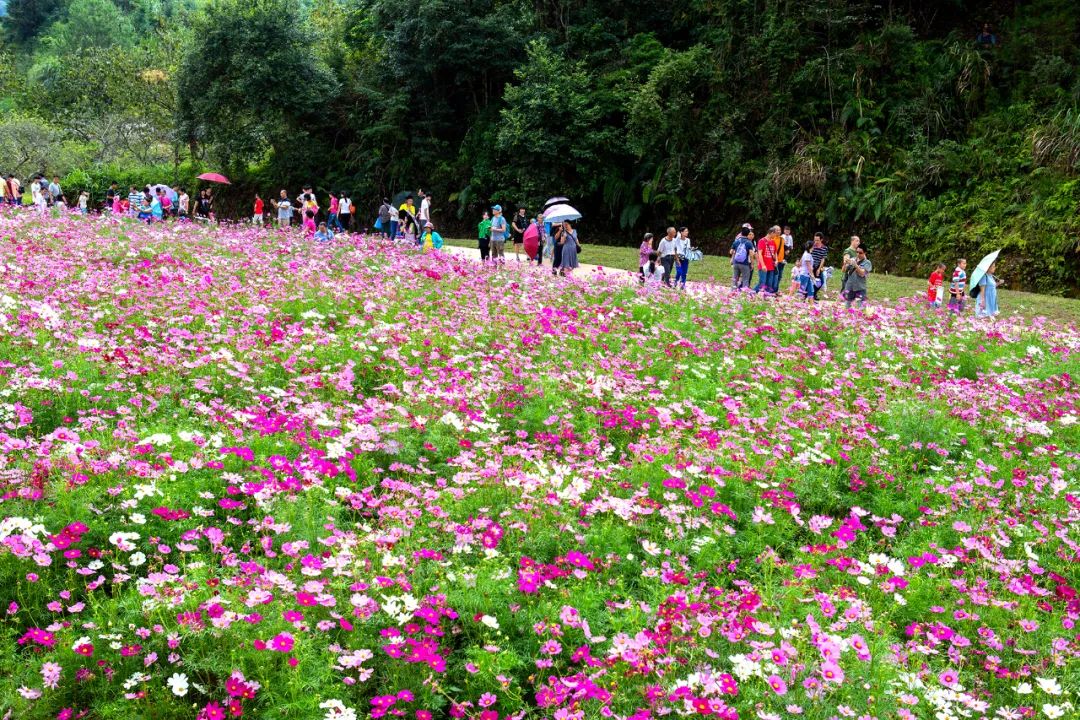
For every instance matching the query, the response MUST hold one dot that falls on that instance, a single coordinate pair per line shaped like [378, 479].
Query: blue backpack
[742, 256]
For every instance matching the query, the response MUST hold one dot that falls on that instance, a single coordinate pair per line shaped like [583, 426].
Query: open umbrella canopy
[559, 213]
[400, 198]
[982, 267]
[168, 190]
[215, 177]
[555, 201]
[531, 240]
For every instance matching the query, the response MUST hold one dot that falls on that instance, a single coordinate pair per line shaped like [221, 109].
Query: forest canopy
[902, 121]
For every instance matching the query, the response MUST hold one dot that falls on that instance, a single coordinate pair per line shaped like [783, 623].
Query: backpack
[741, 254]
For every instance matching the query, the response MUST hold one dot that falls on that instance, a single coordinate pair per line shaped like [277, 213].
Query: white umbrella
[981, 268]
[555, 201]
[168, 190]
[559, 213]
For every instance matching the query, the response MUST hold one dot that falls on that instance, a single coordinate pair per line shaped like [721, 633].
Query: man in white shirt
[666, 249]
[682, 256]
[425, 210]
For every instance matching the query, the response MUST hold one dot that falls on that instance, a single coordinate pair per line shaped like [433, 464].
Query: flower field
[244, 475]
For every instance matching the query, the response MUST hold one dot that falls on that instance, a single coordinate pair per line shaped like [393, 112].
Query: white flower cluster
[337, 710]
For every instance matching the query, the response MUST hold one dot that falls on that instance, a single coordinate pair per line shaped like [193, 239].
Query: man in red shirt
[257, 217]
[766, 252]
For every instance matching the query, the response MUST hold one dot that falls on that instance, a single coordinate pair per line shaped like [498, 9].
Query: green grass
[883, 287]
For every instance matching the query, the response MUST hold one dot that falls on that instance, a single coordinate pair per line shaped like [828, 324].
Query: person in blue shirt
[430, 240]
[322, 234]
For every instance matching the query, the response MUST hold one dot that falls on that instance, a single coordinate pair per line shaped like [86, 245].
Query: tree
[251, 80]
[551, 126]
[26, 18]
[89, 24]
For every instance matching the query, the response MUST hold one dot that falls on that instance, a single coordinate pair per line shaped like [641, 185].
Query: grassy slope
[882, 287]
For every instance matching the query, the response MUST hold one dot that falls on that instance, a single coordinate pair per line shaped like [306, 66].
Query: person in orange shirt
[777, 239]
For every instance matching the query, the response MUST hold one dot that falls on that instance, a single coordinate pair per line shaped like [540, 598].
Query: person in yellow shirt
[407, 218]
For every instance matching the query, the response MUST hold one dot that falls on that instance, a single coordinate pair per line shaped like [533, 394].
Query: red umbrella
[215, 177]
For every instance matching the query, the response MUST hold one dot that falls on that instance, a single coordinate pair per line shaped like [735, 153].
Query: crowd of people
[660, 263]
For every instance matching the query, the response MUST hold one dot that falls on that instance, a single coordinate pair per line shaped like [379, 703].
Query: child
[483, 231]
[257, 211]
[166, 204]
[310, 208]
[804, 271]
[84, 202]
[935, 293]
[118, 205]
[958, 286]
[652, 272]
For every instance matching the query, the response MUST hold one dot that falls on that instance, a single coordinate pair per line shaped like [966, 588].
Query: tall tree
[251, 81]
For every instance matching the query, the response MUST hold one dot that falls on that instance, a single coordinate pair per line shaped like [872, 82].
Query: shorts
[257, 218]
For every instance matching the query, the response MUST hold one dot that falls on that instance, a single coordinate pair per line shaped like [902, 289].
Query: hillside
[893, 120]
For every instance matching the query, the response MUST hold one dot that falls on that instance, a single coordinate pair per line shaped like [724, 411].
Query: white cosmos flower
[178, 683]
[1049, 686]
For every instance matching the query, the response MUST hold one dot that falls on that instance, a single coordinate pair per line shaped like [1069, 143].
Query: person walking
[667, 252]
[742, 258]
[56, 193]
[387, 219]
[499, 230]
[958, 286]
[987, 305]
[345, 212]
[257, 211]
[766, 259]
[541, 239]
[935, 291]
[820, 253]
[483, 234]
[781, 253]
[808, 281]
[424, 216]
[37, 198]
[644, 252]
[567, 237]
[332, 216]
[855, 272]
[682, 257]
[518, 227]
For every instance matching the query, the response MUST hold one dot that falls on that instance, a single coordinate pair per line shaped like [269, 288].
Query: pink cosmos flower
[777, 684]
[282, 642]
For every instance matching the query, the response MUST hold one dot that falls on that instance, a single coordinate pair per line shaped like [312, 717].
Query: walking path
[582, 270]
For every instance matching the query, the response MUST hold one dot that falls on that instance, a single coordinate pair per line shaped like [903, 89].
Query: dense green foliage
[885, 119]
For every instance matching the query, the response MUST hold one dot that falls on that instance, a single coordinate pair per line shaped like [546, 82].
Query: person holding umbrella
[518, 227]
[986, 292]
[984, 285]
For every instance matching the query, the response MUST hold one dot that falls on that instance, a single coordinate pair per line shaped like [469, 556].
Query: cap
[428, 225]
[497, 207]
[747, 226]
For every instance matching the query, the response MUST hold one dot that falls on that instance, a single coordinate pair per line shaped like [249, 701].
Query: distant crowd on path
[663, 263]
